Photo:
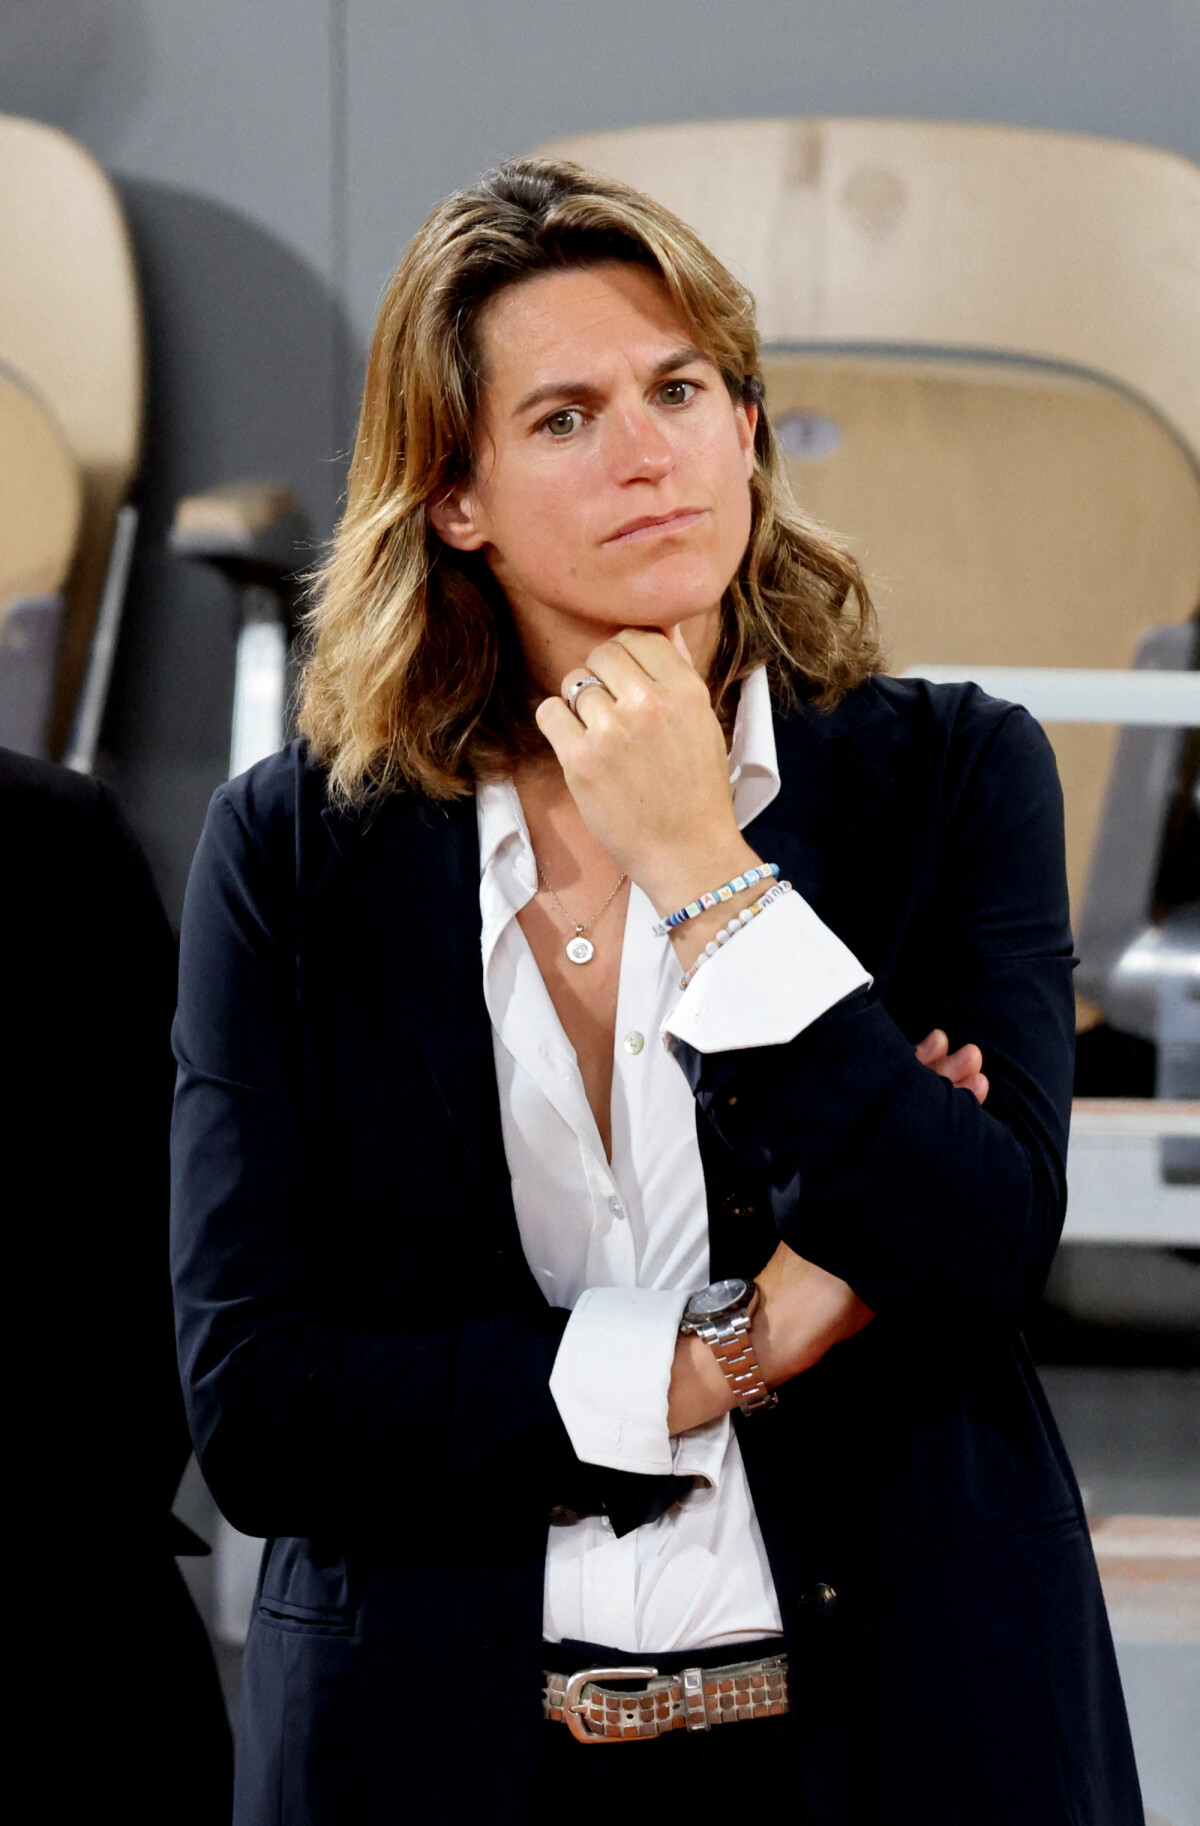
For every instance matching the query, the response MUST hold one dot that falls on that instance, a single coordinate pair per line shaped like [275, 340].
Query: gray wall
[277, 154]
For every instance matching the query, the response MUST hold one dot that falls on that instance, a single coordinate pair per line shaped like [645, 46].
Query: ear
[747, 425]
[455, 519]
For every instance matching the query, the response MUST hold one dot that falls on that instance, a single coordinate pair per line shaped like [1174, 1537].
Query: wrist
[721, 1314]
[761, 1338]
[702, 877]
[699, 1390]
[673, 880]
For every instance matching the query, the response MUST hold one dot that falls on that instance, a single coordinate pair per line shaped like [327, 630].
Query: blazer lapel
[416, 864]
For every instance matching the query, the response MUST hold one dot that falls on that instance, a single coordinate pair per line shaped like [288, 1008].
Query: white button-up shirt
[623, 1244]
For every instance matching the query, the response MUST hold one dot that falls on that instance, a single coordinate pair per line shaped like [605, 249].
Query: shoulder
[970, 755]
[257, 827]
[69, 848]
[955, 711]
[956, 724]
[993, 775]
[993, 745]
[41, 792]
[273, 791]
[980, 747]
[57, 820]
[277, 829]
[273, 810]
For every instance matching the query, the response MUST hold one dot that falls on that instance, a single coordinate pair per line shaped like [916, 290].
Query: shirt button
[615, 1206]
[634, 1041]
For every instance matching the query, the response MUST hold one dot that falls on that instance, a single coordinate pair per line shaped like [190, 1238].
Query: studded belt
[694, 1699]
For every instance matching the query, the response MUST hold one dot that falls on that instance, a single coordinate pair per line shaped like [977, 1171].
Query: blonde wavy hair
[413, 675]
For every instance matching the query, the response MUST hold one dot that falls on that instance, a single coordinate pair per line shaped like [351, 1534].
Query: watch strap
[731, 1344]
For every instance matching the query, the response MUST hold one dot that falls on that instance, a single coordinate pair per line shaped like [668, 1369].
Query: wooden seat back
[41, 498]
[71, 328]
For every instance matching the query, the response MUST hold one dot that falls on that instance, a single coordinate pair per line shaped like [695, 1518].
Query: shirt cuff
[775, 977]
[699, 1454]
[612, 1376]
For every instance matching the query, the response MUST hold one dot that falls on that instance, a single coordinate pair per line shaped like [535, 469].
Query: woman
[575, 1274]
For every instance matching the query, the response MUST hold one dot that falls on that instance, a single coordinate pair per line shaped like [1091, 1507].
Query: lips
[649, 524]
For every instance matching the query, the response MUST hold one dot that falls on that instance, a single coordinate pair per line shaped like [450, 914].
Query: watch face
[721, 1297]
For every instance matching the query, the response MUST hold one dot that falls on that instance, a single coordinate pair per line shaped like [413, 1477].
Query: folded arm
[930, 1207]
[802, 1310]
[891, 1193]
[924, 1202]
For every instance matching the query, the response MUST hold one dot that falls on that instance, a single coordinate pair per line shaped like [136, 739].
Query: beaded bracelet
[734, 927]
[694, 908]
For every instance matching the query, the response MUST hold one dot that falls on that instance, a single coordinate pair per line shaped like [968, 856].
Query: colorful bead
[694, 908]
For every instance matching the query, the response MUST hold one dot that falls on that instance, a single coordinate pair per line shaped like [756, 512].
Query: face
[612, 484]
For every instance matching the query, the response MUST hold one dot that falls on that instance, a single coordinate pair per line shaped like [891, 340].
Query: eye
[561, 424]
[676, 392]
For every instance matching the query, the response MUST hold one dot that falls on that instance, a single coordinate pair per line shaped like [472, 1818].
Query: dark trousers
[718, 1770]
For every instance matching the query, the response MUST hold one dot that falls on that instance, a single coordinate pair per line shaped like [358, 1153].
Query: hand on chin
[645, 760]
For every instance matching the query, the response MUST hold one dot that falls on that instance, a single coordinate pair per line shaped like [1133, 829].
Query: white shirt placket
[622, 1244]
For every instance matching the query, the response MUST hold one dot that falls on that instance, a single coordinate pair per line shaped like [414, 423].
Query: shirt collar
[753, 775]
[501, 818]
[753, 760]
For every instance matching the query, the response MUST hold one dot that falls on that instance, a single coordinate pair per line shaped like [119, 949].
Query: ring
[581, 684]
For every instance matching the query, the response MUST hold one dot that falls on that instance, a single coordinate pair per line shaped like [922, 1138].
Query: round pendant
[581, 950]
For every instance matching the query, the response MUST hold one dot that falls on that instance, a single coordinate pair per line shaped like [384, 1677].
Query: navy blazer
[366, 1355]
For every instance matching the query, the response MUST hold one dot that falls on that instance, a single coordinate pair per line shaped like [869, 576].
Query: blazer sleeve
[308, 1413]
[882, 1172]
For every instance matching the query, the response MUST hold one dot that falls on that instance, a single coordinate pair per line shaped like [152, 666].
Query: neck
[555, 643]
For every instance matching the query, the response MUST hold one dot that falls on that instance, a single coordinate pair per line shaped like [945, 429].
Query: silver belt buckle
[574, 1704]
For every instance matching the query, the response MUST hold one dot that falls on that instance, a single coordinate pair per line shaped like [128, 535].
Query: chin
[662, 614]
[650, 600]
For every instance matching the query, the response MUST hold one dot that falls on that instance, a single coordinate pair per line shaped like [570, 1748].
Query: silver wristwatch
[720, 1314]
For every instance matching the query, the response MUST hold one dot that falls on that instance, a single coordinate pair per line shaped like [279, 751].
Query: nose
[640, 449]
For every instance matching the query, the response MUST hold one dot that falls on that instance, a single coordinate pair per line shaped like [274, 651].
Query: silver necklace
[579, 949]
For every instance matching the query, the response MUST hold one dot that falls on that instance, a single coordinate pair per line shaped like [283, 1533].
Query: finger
[959, 1065]
[654, 652]
[932, 1046]
[617, 667]
[977, 1084]
[594, 691]
[593, 709]
[560, 727]
[966, 1061]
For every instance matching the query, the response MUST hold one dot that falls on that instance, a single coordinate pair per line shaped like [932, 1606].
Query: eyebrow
[583, 389]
